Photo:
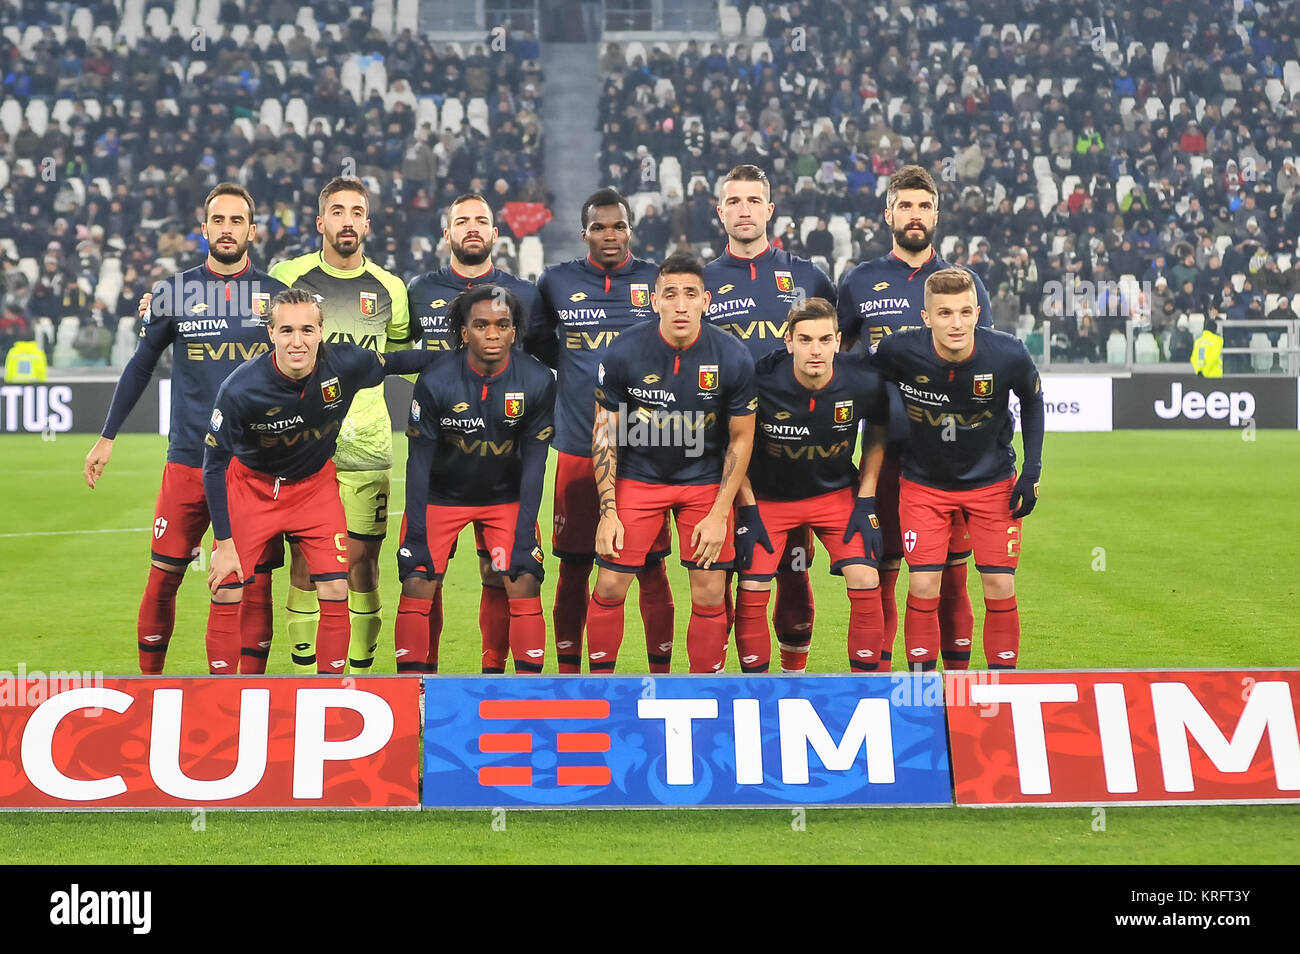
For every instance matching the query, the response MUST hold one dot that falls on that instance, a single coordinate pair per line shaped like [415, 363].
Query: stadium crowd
[1073, 143]
[115, 125]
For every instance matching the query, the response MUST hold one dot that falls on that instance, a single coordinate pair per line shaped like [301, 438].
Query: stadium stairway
[572, 142]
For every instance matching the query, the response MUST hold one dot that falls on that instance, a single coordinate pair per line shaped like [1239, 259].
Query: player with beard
[883, 297]
[582, 307]
[753, 286]
[215, 315]
[470, 236]
[364, 305]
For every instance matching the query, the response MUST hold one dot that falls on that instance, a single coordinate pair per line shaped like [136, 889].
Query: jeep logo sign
[1186, 401]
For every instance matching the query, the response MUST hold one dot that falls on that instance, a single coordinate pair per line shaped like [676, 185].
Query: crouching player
[268, 469]
[801, 474]
[480, 428]
[956, 380]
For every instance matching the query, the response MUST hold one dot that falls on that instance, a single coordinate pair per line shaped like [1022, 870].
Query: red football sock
[435, 631]
[753, 638]
[793, 613]
[706, 638]
[1001, 633]
[921, 633]
[889, 616]
[604, 634]
[569, 614]
[866, 628]
[956, 618]
[255, 625]
[527, 634]
[657, 615]
[495, 627]
[157, 619]
[411, 633]
[794, 653]
[332, 637]
[223, 638]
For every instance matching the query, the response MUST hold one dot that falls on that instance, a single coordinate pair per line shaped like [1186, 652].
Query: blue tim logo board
[681, 740]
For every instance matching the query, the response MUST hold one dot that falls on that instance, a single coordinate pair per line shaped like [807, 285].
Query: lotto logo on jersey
[514, 404]
[578, 296]
[880, 286]
[726, 288]
[330, 391]
[437, 303]
[369, 304]
[261, 304]
[784, 281]
[708, 377]
[983, 385]
[640, 295]
[843, 412]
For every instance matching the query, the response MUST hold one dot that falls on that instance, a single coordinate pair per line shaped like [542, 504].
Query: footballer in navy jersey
[582, 306]
[480, 427]
[811, 402]
[268, 470]
[674, 426]
[471, 235]
[879, 298]
[214, 317]
[956, 381]
[752, 288]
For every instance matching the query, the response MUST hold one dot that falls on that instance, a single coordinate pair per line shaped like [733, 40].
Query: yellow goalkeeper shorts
[365, 502]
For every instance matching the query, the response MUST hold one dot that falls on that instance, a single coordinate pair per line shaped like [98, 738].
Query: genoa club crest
[330, 390]
[843, 412]
[983, 385]
[640, 296]
[708, 377]
[514, 404]
[369, 304]
[261, 304]
[784, 281]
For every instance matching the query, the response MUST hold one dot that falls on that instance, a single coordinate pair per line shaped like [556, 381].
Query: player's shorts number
[381, 511]
[340, 544]
[1013, 544]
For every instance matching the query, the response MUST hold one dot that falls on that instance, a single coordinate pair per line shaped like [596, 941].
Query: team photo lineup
[660, 415]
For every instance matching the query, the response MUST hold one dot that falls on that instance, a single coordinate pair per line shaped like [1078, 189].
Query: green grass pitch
[1170, 549]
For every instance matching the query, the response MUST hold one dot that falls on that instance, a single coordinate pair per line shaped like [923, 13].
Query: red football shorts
[577, 513]
[959, 546]
[643, 510]
[308, 510]
[926, 515]
[787, 523]
[494, 528]
[180, 518]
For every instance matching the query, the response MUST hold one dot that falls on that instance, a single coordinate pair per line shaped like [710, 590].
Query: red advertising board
[237, 743]
[1131, 737]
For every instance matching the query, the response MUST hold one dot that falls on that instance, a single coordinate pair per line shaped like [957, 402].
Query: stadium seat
[240, 33]
[272, 115]
[61, 113]
[839, 227]
[531, 257]
[43, 332]
[1196, 323]
[1146, 350]
[946, 245]
[295, 114]
[1159, 50]
[670, 174]
[632, 49]
[779, 224]
[156, 23]
[407, 16]
[381, 16]
[376, 78]
[350, 77]
[1274, 90]
[1126, 105]
[286, 32]
[196, 67]
[245, 126]
[38, 114]
[1270, 301]
[1238, 280]
[453, 113]
[1283, 261]
[64, 353]
[755, 20]
[83, 21]
[183, 15]
[806, 225]
[29, 267]
[728, 21]
[758, 48]
[123, 343]
[1221, 244]
[476, 113]
[1154, 107]
[1261, 358]
[263, 34]
[1116, 348]
[639, 201]
[4, 173]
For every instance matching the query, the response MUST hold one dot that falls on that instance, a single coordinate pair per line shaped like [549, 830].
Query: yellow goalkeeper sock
[363, 612]
[304, 614]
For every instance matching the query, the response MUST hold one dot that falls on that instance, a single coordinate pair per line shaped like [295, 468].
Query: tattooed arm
[711, 532]
[604, 460]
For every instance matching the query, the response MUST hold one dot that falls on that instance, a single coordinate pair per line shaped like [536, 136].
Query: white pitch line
[68, 533]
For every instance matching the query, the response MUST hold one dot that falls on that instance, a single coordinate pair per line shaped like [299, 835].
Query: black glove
[1024, 496]
[864, 523]
[413, 555]
[750, 533]
[526, 556]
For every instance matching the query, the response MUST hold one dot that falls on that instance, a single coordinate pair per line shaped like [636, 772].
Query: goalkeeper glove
[1024, 496]
[525, 556]
[750, 533]
[864, 523]
[413, 556]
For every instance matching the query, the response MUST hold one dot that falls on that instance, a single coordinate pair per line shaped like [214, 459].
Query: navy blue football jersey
[580, 309]
[886, 295]
[431, 294]
[675, 404]
[753, 296]
[214, 323]
[804, 439]
[478, 425]
[959, 426]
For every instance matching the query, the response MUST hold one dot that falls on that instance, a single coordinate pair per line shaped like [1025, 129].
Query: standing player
[753, 286]
[956, 380]
[215, 314]
[673, 430]
[480, 427]
[882, 297]
[268, 470]
[363, 305]
[582, 306]
[801, 477]
[470, 236]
